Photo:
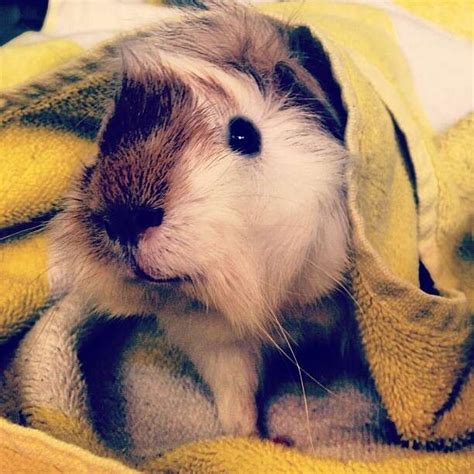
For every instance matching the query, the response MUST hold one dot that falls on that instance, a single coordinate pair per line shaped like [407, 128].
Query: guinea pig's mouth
[143, 276]
[178, 279]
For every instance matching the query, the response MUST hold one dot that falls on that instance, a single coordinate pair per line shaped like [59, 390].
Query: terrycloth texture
[416, 344]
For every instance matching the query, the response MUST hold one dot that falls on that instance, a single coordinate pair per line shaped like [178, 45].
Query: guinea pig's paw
[238, 416]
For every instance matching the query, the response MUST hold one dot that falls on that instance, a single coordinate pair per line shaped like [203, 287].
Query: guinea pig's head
[220, 170]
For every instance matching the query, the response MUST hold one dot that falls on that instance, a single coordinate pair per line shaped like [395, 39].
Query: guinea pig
[216, 200]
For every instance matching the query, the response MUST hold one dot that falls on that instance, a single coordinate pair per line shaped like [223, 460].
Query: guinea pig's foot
[238, 417]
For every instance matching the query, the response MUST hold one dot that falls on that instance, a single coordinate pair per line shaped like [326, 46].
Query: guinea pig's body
[216, 200]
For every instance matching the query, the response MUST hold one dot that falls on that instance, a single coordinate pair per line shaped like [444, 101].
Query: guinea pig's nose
[125, 224]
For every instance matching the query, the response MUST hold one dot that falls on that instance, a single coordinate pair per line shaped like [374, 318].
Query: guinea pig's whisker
[29, 231]
[294, 359]
[339, 283]
[286, 355]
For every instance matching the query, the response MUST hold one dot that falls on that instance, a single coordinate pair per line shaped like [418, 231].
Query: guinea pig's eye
[243, 137]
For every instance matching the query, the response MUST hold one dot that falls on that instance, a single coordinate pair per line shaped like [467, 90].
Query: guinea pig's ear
[311, 82]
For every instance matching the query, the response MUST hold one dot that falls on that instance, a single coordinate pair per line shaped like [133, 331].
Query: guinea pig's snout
[125, 224]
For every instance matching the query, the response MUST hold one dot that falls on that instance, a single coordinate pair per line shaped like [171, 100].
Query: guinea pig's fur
[250, 241]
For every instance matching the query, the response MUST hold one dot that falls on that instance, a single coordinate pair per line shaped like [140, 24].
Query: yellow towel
[24, 451]
[416, 343]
